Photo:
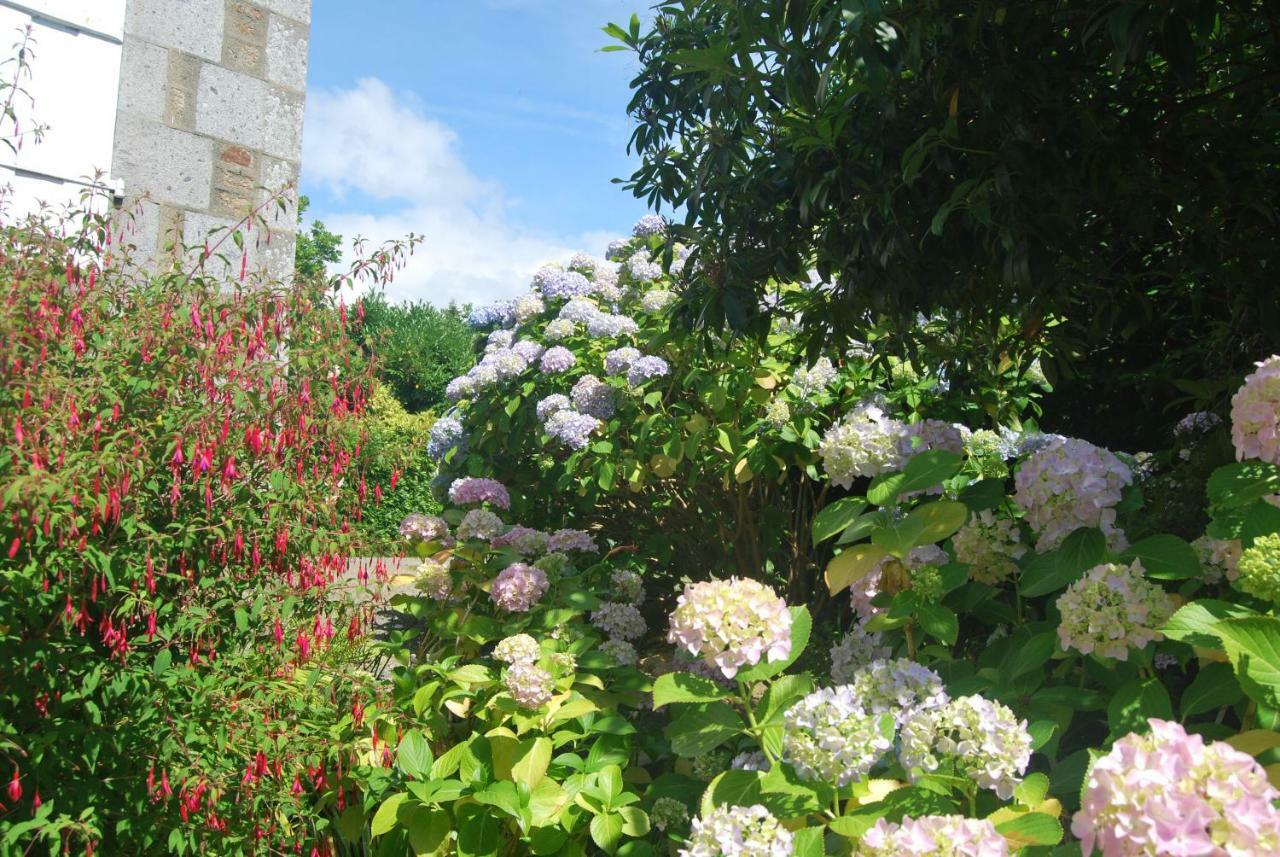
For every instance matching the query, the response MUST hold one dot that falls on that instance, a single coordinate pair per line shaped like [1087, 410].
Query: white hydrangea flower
[866, 442]
[738, 831]
[830, 737]
[899, 687]
[990, 545]
[517, 649]
[933, 836]
[1111, 609]
[857, 648]
[983, 739]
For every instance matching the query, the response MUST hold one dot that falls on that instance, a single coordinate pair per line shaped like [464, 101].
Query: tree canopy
[1099, 177]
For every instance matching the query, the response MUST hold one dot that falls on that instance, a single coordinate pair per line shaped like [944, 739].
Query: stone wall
[209, 120]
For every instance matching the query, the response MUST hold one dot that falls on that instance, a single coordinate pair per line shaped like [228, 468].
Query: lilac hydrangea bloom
[518, 587]
[619, 360]
[459, 388]
[618, 249]
[650, 224]
[571, 428]
[731, 624]
[529, 350]
[642, 269]
[551, 404]
[933, 835]
[593, 397]
[557, 359]
[499, 313]
[647, 368]
[558, 329]
[579, 310]
[566, 284]
[1255, 414]
[583, 262]
[423, 528]
[566, 540]
[499, 339]
[526, 307]
[607, 325]
[471, 490]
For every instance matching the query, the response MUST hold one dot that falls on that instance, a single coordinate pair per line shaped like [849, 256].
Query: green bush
[396, 461]
[419, 347]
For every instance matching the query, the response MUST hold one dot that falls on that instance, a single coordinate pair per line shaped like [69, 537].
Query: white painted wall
[75, 79]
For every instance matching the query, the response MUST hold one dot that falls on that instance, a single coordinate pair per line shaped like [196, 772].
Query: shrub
[419, 347]
[397, 464]
[551, 706]
[177, 453]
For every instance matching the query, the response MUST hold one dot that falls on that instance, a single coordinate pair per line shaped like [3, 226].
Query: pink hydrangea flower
[563, 541]
[518, 587]
[933, 836]
[1255, 414]
[1111, 609]
[1071, 484]
[1168, 792]
[469, 491]
[731, 624]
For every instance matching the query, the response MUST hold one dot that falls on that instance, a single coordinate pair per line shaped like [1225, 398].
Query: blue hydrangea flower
[551, 404]
[650, 224]
[646, 368]
[619, 360]
[565, 284]
[499, 313]
[593, 397]
[572, 428]
[557, 359]
[446, 433]
[618, 250]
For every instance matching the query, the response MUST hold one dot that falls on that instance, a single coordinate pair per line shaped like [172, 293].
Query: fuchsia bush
[179, 473]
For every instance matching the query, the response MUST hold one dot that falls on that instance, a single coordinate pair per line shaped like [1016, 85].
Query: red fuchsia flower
[296, 788]
[15, 788]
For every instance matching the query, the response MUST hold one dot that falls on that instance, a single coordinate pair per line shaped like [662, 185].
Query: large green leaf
[1196, 623]
[733, 788]
[385, 818]
[1242, 483]
[606, 831]
[414, 755]
[1058, 569]
[851, 565]
[478, 831]
[1253, 644]
[1214, 686]
[1135, 703]
[1031, 828]
[533, 759]
[1164, 557]
[702, 727]
[685, 687]
[938, 520]
[834, 517]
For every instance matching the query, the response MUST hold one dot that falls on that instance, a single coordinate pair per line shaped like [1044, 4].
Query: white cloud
[381, 145]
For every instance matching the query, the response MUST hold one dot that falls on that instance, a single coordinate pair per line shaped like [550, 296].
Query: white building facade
[191, 110]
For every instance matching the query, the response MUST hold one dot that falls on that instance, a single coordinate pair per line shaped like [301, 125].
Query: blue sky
[493, 127]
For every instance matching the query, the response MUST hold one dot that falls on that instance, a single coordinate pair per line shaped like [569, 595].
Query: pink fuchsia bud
[15, 788]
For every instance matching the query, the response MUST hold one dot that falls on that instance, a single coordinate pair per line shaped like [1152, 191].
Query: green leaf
[685, 687]
[1029, 655]
[1135, 703]
[834, 517]
[982, 495]
[885, 488]
[930, 468]
[164, 659]
[781, 694]
[1032, 790]
[478, 831]
[1049, 572]
[801, 628]
[1242, 483]
[414, 755]
[1260, 519]
[939, 622]
[807, 843]
[701, 728]
[635, 821]
[385, 818]
[535, 757]
[350, 824]
[428, 829]
[1253, 644]
[733, 788]
[852, 565]
[606, 831]
[1196, 623]
[1164, 557]
[1031, 828]
[938, 520]
[1214, 686]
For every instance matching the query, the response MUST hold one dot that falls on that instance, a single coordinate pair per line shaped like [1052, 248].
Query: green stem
[911, 640]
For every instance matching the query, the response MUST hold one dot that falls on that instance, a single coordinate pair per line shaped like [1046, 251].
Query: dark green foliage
[395, 452]
[1104, 174]
[419, 348]
[316, 247]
